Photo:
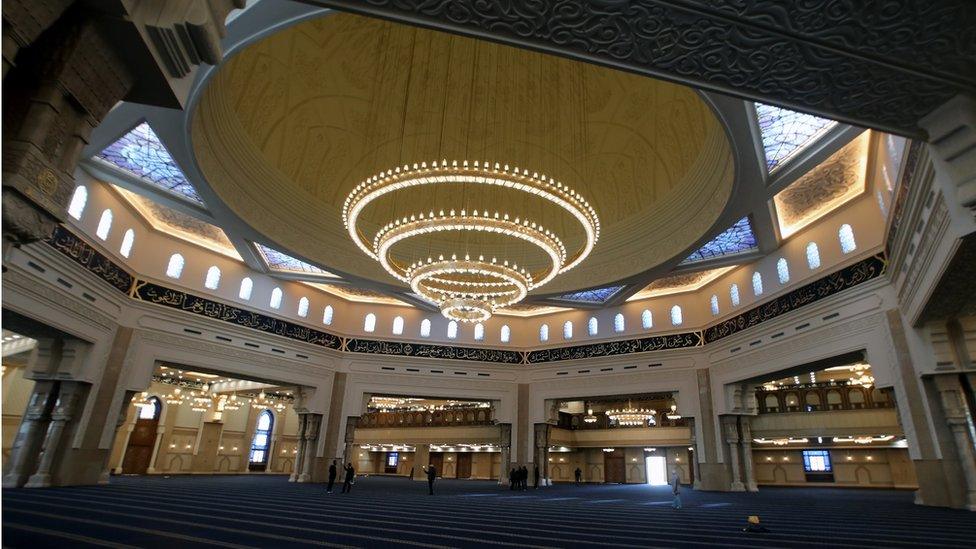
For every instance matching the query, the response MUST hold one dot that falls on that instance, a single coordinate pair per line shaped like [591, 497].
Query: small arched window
[544, 333]
[247, 285]
[676, 315]
[174, 269]
[398, 325]
[619, 324]
[128, 239]
[262, 438]
[568, 330]
[104, 225]
[452, 329]
[213, 278]
[593, 326]
[425, 327]
[647, 320]
[783, 270]
[479, 332]
[369, 323]
[506, 334]
[813, 256]
[734, 294]
[78, 201]
[757, 288]
[327, 315]
[713, 302]
[150, 409]
[275, 298]
[846, 236]
[303, 307]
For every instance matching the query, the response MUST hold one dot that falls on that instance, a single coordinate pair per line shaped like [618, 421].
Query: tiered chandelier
[469, 285]
[631, 416]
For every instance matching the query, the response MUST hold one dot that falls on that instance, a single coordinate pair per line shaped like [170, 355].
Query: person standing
[431, 476]
[525, 478]
[332, 476]
[512, 478]
[536, 475]
[579, 476]
[675, 488]
[350, 476]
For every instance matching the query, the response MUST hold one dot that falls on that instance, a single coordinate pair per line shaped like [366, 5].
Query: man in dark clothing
[525, 477]
[512, 478]
[579, 476]
[332, 476]
[431, 476]
[350, 476]
[537, 477]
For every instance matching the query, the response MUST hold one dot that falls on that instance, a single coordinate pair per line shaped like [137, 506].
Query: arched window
[275, 298]
[150, 409]
[398, 325]
[619, 324]
[544, 333]
[757, 288]
[647, 320]
[714, 304]
[783, 270]
[452, 329]
[78, 201]
[846, 236]
[174, 269]
[262, 438]
[676, 315]
[327, 315]
[369, 324]
[813, 256]
[128, 239]
[213, 278]
[593, 326]
[104, 225]
[479, 332]
[303, 307]
[506, 334]
[734, 294]
[425, 328]
[567, 330]
[247, 285]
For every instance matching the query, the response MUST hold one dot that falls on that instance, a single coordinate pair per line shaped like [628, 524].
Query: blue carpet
[268, 511]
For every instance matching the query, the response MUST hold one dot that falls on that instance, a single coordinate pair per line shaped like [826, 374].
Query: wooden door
[613, 467]
[140, 448]
[206, 456]
[437, 460]
[464, 466]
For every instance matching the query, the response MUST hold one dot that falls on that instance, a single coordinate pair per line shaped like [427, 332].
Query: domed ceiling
[289, 126]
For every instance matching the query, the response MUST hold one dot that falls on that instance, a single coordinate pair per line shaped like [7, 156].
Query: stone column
[505, 443]
[122, 420]
[27, 445]
[693, 443]
[541, 455]
[62, 414]
[745, 428]
[349, 440]
[960, 423]
[421, 458]
[731, 431]
[300, 456]
[310, 442]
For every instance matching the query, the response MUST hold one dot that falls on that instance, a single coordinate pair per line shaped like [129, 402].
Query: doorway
[613, 467]
[464, 466]
[657, 470]
[142, 440]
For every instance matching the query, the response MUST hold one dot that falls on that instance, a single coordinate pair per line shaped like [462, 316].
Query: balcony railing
[576, 422]
[817, 397]
[437, 418]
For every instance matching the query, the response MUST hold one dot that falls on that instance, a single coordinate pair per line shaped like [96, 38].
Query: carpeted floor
[266, 511]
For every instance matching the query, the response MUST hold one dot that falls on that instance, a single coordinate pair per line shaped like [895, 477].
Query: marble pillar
[505, 444]
[62, 414]
[310, 441]
[421, 459]
[300, 456]
[30, 436]
[745, 429]
[960, 424]
[731, 432]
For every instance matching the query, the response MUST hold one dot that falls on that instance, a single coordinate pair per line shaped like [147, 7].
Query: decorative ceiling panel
[282, 262]
[737, 239]
[597, 296]
[831, 184]
[786, 133]
[685, 282]
[141, 153]
[359, 295]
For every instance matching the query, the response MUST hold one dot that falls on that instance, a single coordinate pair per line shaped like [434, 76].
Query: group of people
[518, 478]
[350, 476]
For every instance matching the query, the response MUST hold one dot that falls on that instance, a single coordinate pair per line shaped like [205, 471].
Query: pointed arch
[425, 327]
[398, 325]
[506, 334]
[276, 296]
[327, 315]
[303, 307]
[619, 323]
[676, 319]
[647, 319]
[369, 323]
[846, 237]
[813, 256]
[757, 285]
[128, 239]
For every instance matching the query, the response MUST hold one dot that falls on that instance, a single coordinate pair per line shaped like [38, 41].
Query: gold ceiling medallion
[443, 254]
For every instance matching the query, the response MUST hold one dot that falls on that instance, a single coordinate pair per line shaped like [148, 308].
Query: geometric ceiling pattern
[141, 153]
[785, 133]
[596, 296]
[737, 239]
[282, 262]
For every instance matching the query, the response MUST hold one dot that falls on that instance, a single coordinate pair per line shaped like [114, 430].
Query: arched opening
[261, 443]
[142, 440]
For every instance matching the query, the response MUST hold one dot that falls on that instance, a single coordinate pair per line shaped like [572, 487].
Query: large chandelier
[632, 416]
[469, 284]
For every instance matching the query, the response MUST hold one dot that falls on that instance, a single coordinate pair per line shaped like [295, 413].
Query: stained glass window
[567, 330]
[813, 256]
[398, 325]
[303, 307]
[369, 323]
[757, 288]
[846, 236]
[327, 315]
[676, 315]
[280, 261]
[714, 304]
[104, 225]
[262, 438]
[276, 296]
[737, 239]
[596, 295]
[544, 333]
[128, 239]
[247, 285]
[647, 320]
[783, 270]
[141, 153]
[213, 278]
[452, 329]
[150, 409]
[734, 294]
[506, 334]
[425, 328]
[816, 461]
[593, 326]
[78, 200]
[479, 332]
[785, 133]
[619, 324]
[175, 266]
